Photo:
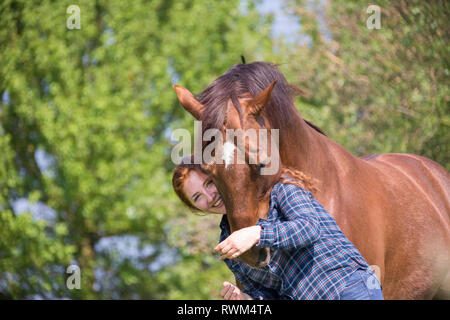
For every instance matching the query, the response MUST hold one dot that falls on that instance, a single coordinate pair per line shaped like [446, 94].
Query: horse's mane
[249, 78]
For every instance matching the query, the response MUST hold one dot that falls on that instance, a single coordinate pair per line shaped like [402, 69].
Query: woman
[298, 230]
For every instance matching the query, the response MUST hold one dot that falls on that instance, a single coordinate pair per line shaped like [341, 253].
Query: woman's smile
[218, 203]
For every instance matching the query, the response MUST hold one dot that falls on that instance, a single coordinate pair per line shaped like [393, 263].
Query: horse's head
[243, 160]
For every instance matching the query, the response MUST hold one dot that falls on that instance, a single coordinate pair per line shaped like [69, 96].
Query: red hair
[297, 177]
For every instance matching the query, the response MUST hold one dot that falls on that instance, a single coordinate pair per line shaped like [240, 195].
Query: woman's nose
[209, 196]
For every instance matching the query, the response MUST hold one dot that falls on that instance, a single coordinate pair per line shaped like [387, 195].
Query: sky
[285, 24]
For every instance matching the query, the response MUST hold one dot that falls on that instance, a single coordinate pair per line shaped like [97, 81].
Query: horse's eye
[263, 164]
[260, 166]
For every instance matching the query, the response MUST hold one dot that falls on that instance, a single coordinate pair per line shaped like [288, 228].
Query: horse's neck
[317, 156]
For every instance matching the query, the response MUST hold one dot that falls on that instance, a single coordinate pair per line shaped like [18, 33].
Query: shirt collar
[224, 226]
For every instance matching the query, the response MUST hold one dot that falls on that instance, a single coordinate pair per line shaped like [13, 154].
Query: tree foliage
[86, 117]
[85, 122]
[376, 90]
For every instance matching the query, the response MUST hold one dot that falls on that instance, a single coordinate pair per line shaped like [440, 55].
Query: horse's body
[394, 207]
[415, 192]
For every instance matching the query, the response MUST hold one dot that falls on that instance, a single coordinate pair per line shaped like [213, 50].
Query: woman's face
[201, 191]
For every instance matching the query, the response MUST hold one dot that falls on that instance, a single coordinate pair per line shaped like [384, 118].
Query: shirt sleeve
[252, 288]
[298, 226]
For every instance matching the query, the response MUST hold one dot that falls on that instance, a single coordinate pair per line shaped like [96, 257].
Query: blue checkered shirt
[311, 258]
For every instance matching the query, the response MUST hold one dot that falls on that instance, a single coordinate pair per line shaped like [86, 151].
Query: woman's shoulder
[287, 189]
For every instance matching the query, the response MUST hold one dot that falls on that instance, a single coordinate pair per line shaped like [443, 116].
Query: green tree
[376, 90]
[96, 104]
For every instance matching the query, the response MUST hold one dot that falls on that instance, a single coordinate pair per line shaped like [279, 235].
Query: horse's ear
[261, 99]
[188, 101]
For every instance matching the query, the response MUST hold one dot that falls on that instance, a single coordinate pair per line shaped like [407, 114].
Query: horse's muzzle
[256, 257]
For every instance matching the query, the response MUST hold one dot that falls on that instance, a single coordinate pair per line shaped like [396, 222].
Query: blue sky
[285, 24]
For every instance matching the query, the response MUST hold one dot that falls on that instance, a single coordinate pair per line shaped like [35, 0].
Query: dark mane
[253, 78]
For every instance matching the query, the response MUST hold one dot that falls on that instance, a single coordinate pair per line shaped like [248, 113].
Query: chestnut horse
[394, 207]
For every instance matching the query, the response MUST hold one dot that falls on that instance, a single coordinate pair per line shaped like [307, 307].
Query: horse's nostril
[263, 257]
[256, 257]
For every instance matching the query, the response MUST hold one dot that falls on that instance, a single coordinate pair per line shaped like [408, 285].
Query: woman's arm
[238, 242]
[300, 226]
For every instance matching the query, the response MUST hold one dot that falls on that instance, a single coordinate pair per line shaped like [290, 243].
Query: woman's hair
[288, 176]
[294, 176]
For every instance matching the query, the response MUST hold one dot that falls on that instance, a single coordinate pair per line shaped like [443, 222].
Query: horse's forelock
[248, 78]
[238, 80]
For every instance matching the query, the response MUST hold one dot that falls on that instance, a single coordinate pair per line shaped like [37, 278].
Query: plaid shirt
[311, 258]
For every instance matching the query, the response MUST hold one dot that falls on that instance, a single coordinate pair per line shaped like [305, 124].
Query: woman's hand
[238, 242]
[231, 292]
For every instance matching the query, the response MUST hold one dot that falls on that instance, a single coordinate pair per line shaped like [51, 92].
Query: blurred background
[86, 119]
